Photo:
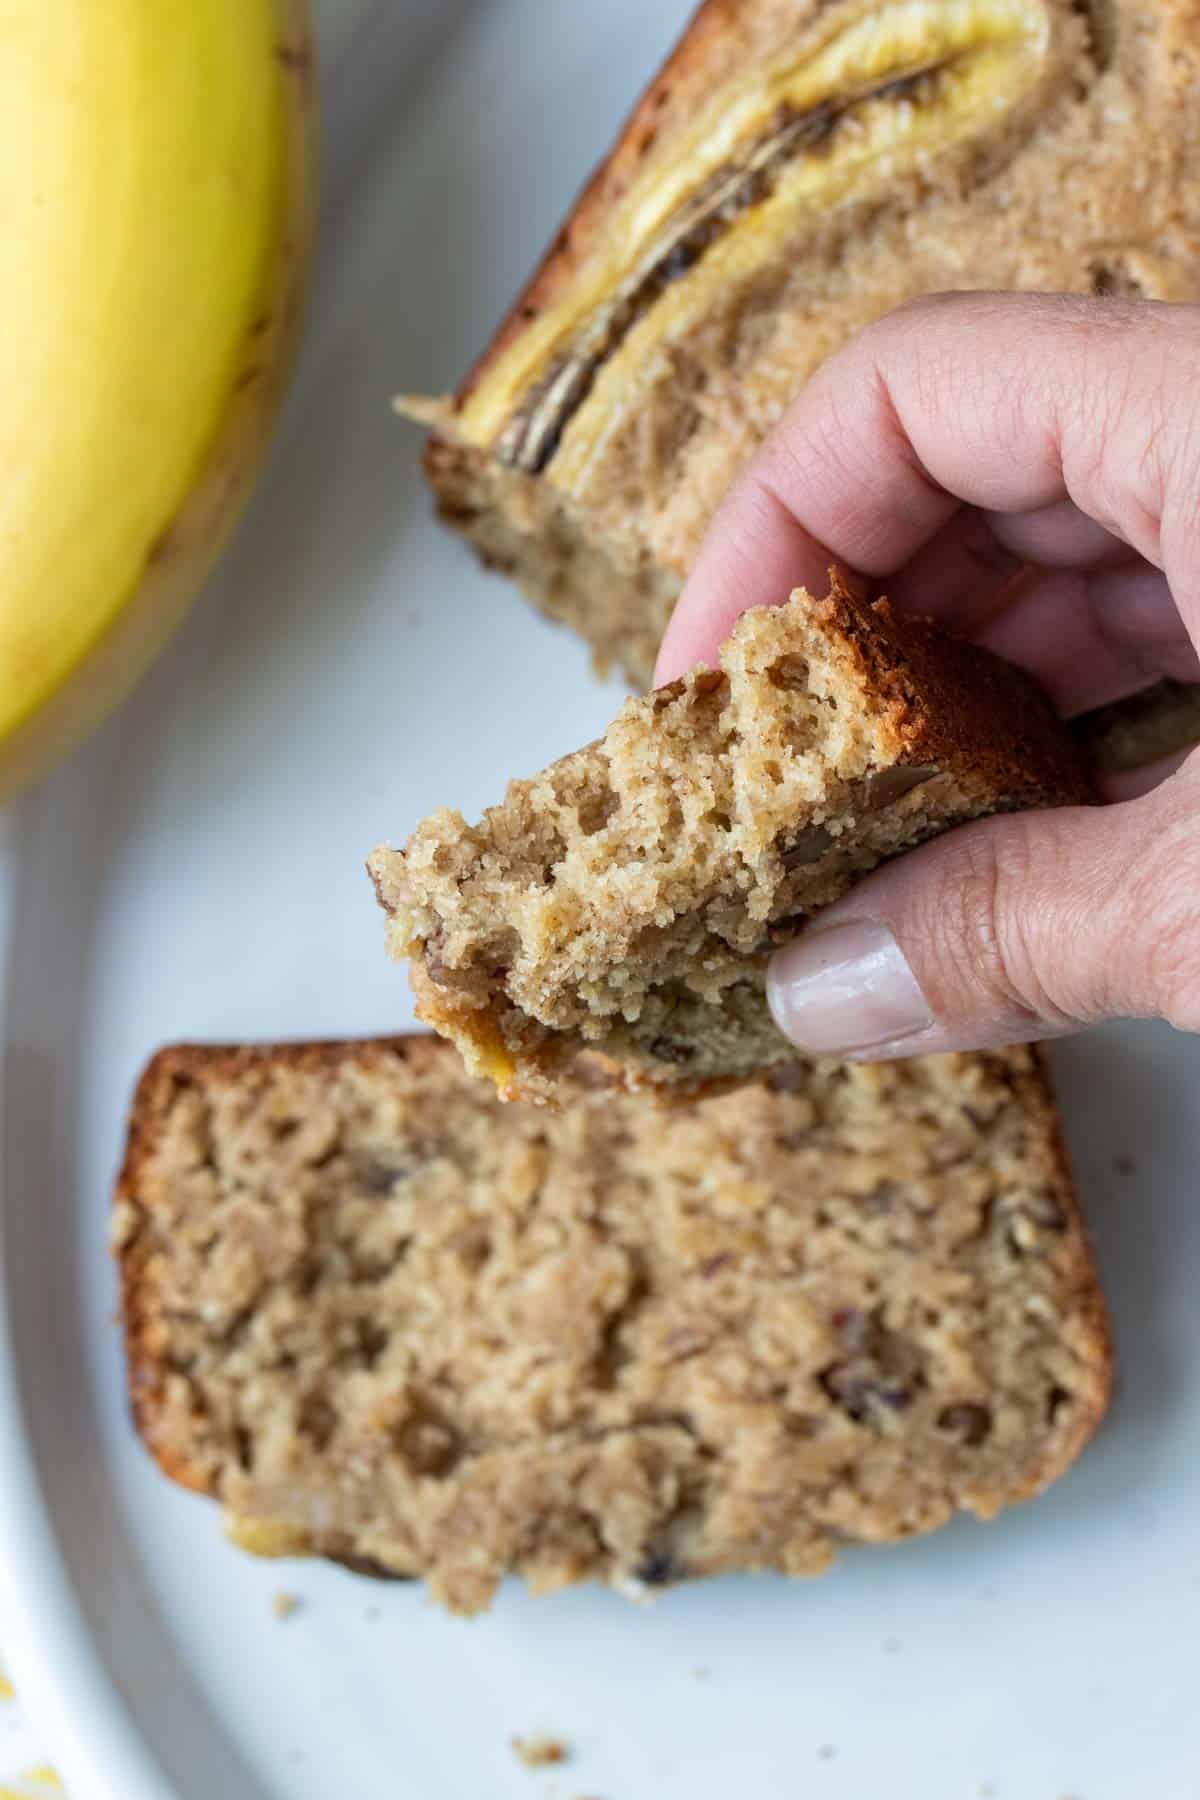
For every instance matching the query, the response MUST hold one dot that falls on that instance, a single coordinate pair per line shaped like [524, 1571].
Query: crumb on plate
[540, 1750]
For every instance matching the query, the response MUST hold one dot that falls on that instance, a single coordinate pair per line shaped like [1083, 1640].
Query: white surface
[197, 872]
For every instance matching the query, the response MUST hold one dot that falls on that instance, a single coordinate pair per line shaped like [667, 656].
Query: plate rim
[64, 1684]
[47, 1646]
[46, 1642]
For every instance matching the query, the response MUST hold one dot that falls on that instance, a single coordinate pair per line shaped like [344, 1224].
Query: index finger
[1005, 402]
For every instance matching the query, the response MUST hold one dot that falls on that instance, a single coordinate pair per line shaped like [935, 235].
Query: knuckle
[917, 312]
[1153, 912]
[793, 457]
[884, 345]
[983, 931]
[1176, 975]
[1131, 449]
[1178, 484]
[1104, 431]
[1169, 896]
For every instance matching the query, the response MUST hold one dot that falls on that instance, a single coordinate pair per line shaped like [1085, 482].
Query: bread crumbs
[539, 1751]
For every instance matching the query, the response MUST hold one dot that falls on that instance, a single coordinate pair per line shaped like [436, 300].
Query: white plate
[197, 872]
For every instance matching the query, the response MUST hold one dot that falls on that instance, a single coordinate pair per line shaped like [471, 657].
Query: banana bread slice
[385, 1319]
[626, 899]
[795, 170]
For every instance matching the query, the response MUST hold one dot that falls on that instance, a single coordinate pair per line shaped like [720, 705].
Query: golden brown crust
[951, 701]
[139, 1311]
[1035, 1087]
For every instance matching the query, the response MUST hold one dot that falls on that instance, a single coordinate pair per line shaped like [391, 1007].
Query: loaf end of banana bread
[797, 169]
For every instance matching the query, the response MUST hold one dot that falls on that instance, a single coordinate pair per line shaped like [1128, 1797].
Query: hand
[939, 455]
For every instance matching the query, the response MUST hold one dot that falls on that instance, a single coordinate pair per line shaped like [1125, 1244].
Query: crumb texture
[626, 899]
[386, 1319]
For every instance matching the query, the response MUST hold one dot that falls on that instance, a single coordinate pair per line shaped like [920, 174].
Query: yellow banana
[155, 215]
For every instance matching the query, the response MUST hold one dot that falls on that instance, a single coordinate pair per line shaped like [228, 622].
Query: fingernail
[841, 989]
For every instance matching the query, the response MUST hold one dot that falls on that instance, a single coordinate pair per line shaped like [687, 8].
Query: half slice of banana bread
[625, 900]
[385, 1319]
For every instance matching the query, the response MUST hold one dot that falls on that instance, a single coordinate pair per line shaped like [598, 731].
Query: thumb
[1008, 930]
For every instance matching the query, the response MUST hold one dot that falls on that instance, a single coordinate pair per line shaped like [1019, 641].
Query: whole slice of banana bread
[795, 170]
[626, 899]
[385, 1319]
